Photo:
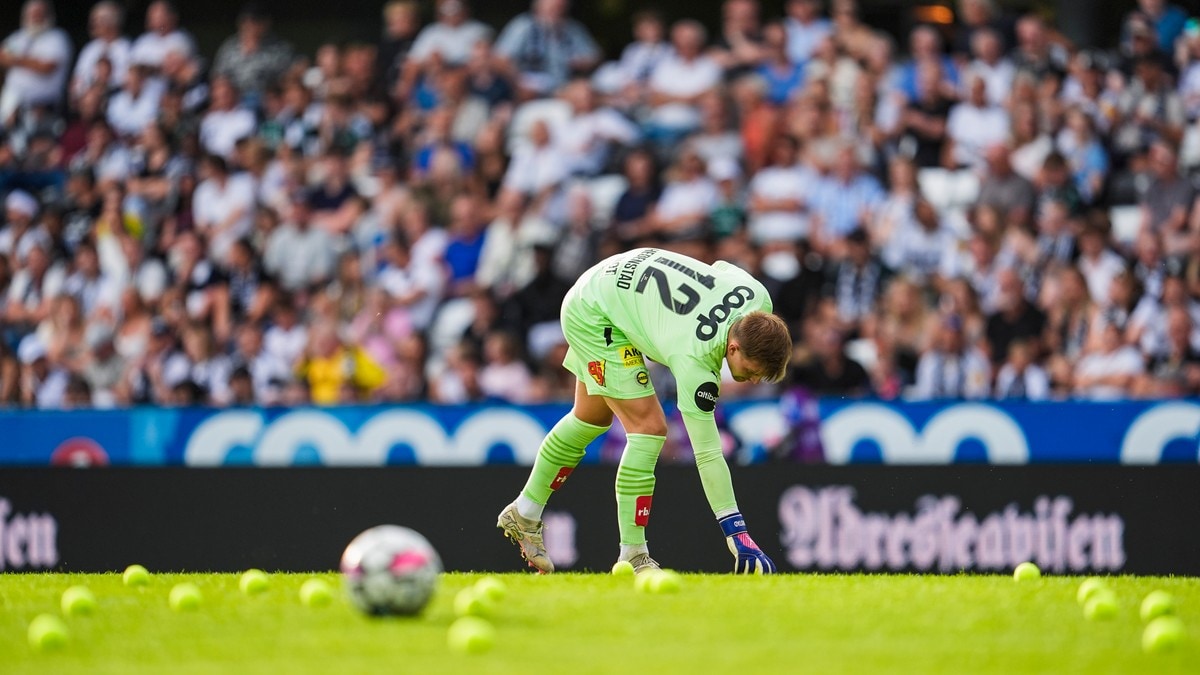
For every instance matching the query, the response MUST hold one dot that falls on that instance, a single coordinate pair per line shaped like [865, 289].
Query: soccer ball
[390, 570]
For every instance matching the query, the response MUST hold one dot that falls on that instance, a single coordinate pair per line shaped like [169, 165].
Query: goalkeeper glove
[749, 558]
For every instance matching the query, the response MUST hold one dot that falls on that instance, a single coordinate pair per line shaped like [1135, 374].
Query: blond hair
[764, 339]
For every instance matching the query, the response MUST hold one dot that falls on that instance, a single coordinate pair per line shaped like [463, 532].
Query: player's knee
[649, 427]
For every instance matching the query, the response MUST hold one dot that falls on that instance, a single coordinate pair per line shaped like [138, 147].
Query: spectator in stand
[856, 283]
[254, 58]
[134, 106]
[922, 123]
[537, 303]
[828, 371]
[35, 62]
[1166, 203]
[1110, 372]
[163, 35]
[952, 368]
[923, 246]
[1003, 189]
[105, 22]
[227, 120]
[1039, 52]
[1020, 377]
[1168, 21]
[1015, 319]
[636, 204]
[678, 83]
[504, 375]
[457, 380]
[268, 373]
[588, 138]
[401, 26]
[449, 39]
[682, 210]
[223, 207]
[200, 364]
[464, 243]
[925, 50]
[1174, 371]
[974, 16]
[1148, 110]
[739, 44]
[805, 28]
[544, 47]
[991, 65]
[973, 126]
[779, 196]
[845, 199]
[336, 371]
[298, 253]
[537, 168]
[782, 76]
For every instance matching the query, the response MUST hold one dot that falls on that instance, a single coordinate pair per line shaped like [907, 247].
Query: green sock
[561, 451]
[635, 486]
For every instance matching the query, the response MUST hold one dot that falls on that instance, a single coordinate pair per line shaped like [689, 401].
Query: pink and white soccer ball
[390, 570]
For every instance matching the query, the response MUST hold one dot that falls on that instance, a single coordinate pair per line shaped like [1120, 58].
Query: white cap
[21, 202]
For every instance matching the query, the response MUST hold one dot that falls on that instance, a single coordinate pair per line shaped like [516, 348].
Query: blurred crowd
[978, 209]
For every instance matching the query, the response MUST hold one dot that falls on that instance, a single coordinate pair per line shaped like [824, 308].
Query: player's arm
[698, 394]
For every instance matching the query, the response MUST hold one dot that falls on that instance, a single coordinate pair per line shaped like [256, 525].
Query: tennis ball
[185, 597]
[470, 602]
[622, 568]
[471, 635]
[1163, 634]
[136, 575]
[1088, 588]
[47, 633]
[253, 582]
[644, 581]
[78, 600]
[1027, 571]
[316, 593]
[665, 581]
[1156, 604]
[1101, 607]
[491, 588]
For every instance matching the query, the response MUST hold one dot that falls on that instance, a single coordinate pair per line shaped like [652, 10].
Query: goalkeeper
[688, 316]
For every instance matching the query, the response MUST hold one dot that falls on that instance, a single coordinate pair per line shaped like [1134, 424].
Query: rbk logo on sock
[641, 510]
[561, 478]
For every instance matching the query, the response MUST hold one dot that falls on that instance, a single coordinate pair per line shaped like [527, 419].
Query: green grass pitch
[589, 623]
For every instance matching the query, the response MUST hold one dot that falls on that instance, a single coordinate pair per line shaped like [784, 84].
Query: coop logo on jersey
[27, 540]
[716, 315]
[596, 370]
[706, 396]
[825, 529]
[630, 356]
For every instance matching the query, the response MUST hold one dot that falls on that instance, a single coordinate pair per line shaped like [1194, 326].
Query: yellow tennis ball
[471, 635]
[47, 633]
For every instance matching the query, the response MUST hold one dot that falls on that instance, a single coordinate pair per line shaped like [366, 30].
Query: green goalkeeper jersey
[677, 311]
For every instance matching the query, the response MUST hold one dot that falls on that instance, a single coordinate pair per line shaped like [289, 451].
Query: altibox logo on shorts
[27, 540]
[824, 528]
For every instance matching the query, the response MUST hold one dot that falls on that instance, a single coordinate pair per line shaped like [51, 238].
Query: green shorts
[600, 355]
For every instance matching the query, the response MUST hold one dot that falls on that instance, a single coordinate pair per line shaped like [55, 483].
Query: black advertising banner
[1068, 519]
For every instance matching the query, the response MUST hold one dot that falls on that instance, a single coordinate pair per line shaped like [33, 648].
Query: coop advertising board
[980, 519]
[828, 431]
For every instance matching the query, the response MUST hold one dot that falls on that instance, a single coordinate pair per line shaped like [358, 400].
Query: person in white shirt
[135, 106]
[586, 139]
[805, 28]
[537, 168]
[223, 206]
[779, 196]
[1108, 374]
[975, 125]
[1099, 264]
[1020, 378]
[990, 64]
[226, 121]
[504, 375]
[104, 23]
[952, 368]
[297, 253]
[686, 201]
[678, 83]
[35, 61]
[162, 35]
[451, 37]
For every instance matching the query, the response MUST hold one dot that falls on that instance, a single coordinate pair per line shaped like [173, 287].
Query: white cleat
[526, 534]
[642, 563]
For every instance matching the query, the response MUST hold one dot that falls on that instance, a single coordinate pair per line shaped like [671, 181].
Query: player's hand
[748, 557]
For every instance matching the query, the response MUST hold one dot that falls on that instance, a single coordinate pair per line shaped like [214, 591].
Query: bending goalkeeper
[688, 316]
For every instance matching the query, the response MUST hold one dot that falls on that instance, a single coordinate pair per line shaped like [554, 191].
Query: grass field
[582, 623]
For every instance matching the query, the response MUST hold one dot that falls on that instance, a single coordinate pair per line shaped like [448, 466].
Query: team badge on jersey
[643, 378]
[596, 370]
[630, 356]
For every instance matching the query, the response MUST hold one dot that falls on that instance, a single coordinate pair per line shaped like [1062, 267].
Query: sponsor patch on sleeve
[707, 395]
[631, 357]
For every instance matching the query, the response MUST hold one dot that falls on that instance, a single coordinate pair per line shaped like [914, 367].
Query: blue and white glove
[748, 556]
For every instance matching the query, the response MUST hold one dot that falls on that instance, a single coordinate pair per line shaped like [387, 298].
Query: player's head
[759, 348]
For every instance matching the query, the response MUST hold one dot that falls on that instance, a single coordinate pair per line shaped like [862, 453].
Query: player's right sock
[558, 456]
[635, 486]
